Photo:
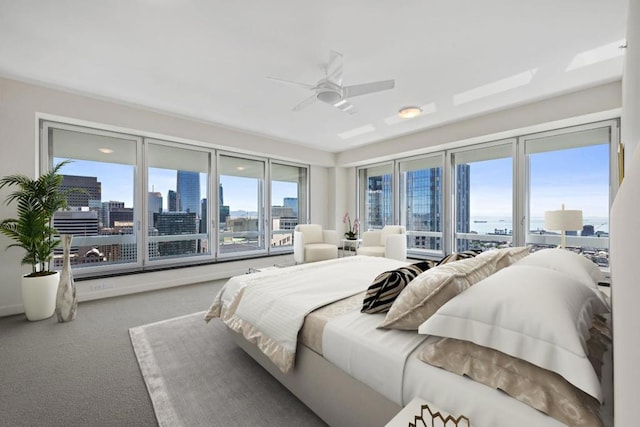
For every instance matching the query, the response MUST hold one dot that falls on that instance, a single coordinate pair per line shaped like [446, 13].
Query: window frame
[46, 164]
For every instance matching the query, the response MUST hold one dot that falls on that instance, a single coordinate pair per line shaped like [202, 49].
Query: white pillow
[565, 261]
[533, 313]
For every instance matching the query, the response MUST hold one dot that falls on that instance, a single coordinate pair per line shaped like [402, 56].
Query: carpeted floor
[85, 373]
[197, 376]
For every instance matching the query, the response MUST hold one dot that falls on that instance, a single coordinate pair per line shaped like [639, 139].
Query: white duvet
[269, 308]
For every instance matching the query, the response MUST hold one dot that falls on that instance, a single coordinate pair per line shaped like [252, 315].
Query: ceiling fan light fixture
[409, 112]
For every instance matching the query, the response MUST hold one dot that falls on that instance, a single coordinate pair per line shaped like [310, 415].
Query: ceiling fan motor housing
[329, 92]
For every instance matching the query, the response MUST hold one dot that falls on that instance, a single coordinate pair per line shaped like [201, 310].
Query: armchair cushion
[390, 230]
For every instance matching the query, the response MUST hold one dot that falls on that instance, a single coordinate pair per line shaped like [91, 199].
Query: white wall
[21, 102]
[625, 236]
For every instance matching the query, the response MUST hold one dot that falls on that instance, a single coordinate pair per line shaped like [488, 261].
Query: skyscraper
[188, 186]
[463, 213]
[291, 202]
[379, 201]
[172, 201]
[155, 205]
[89, 186]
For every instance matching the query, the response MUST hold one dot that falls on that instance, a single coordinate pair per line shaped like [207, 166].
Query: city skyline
[586, 188]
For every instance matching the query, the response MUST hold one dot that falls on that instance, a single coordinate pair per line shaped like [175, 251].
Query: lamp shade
[563, 220]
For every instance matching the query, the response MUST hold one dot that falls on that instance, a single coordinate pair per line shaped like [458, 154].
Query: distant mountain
[243, 214]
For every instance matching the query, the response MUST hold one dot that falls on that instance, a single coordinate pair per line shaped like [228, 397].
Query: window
[242, 220]
[102, 214]
[144, 203]
[288, 203]
[483, 197]
[570, 168]
[177, 187]
[421, 203]
[376, 196]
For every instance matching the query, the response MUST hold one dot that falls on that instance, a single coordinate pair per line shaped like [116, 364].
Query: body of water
[486, 225]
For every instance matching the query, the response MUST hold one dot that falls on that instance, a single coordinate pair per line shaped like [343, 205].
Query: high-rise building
[172, 223]
[423, 203]
[463, 213]
[203, 219]
[188, 186]
[291, 202]
[88, 189]
[154, 200]
[172, 201]
[77, 223]
[379, 200]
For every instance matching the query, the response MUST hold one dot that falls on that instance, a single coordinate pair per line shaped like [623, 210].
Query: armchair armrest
[298, 247]
[396, 247]
[330, 236]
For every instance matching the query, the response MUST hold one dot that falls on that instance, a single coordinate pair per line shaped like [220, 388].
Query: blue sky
[585, 188]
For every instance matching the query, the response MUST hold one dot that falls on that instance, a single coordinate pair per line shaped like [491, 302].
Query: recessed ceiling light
[409, 112]
[240, 168]
[105, 150]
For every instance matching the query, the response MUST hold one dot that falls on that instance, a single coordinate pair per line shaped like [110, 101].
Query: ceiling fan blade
[304, 104]
[363, 89]
[291, 82]
[334, 68]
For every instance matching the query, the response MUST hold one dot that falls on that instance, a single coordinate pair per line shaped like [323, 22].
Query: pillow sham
[431, 289]
[539, 388]
[387, 286]
[506, 256]
[533, 313]
[566, 261]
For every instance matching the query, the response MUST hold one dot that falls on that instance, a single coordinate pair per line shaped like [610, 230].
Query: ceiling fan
[330, 89]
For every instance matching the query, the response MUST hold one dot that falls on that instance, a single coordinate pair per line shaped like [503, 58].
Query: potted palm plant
[37, 201]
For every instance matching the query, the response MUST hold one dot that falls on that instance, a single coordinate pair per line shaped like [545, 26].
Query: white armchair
[312, 243]
[390, 242]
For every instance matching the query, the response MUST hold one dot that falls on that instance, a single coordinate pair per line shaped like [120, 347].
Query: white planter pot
[39, 296]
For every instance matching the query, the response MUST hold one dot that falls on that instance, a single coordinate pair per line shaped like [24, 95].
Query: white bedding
[269, 309]
[375, 357]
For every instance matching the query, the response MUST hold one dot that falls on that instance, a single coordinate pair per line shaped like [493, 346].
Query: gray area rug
[197, 376]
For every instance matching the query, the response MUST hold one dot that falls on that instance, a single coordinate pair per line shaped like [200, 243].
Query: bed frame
[335, 396]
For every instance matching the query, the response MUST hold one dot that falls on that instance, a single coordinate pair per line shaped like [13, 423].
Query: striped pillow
[388, 285]
[457, 256]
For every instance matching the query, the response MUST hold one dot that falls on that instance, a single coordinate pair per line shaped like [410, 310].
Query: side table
[351, 245]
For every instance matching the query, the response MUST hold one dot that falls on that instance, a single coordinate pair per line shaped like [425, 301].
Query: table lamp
[563, 220]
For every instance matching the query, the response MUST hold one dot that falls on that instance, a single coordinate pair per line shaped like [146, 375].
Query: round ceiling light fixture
[409, 112]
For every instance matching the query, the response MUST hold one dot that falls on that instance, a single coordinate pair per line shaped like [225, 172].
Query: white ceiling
[208, 59]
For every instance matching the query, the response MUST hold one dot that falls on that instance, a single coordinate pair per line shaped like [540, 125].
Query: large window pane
[376, 196]
[483, 198]
[421, 204]
[102, 215]
[571, 169]
[242, 213]
[177, 202]
[288, 203]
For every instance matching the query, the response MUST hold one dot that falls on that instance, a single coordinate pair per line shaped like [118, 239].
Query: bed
[305, 326]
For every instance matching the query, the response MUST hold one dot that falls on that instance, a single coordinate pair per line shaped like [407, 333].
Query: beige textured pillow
[539, 388]
[432, 289]
[505, 257]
